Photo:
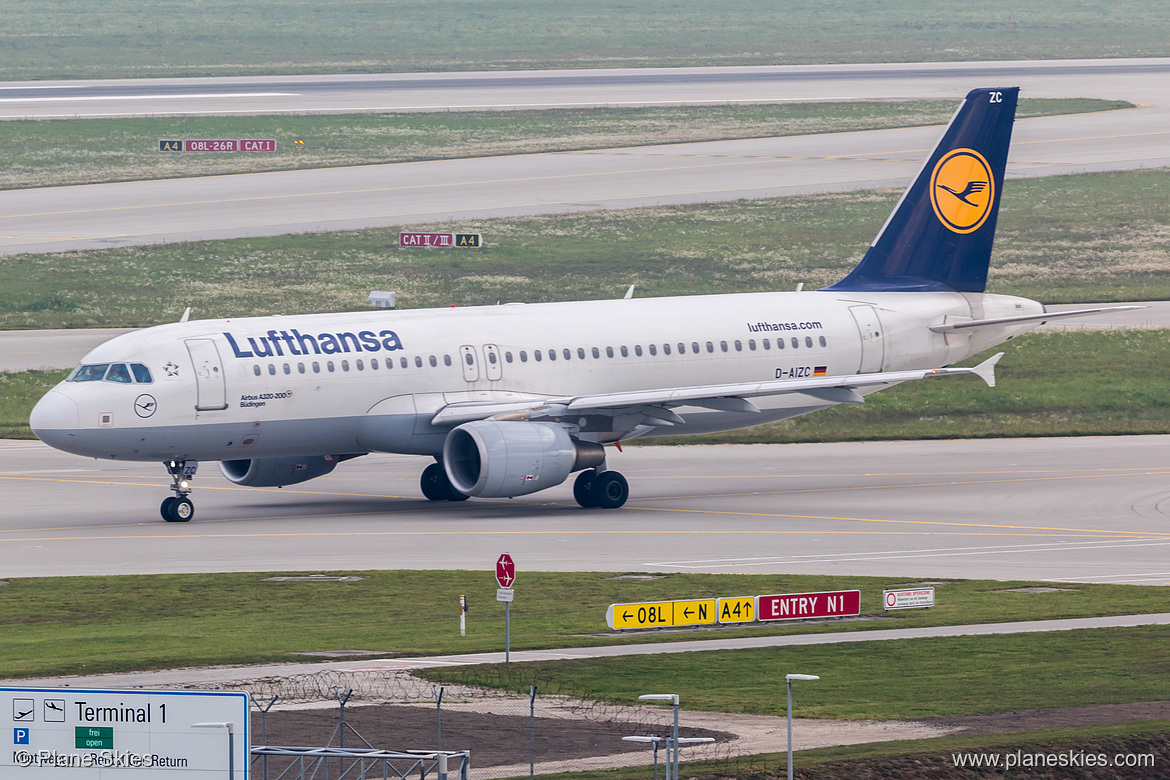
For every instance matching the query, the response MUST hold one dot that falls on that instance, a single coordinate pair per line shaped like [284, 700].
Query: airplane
[512, 399]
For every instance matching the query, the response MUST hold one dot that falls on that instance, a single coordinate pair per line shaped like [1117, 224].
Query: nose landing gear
[178, 508]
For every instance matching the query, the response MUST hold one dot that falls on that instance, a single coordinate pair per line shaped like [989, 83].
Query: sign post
[506, 576]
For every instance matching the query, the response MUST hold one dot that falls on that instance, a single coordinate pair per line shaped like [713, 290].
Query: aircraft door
[494, 366]
[210, 388]
[469, 361]
[873, 348]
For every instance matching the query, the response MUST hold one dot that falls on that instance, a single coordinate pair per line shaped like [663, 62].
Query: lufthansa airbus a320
[509, 400]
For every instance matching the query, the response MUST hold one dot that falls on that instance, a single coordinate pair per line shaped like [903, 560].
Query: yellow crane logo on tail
[962, 190]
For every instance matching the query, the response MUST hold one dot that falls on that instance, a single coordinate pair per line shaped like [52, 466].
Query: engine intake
[501, 459]
[277, 472]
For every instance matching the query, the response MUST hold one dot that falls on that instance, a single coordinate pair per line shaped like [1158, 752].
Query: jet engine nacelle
[497, 459]
[276, 472]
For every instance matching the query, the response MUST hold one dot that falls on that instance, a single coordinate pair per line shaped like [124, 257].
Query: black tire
[165, 509]
[583, 489]
[437, 487]
[610, 490]
[434, 483]
[181, 511]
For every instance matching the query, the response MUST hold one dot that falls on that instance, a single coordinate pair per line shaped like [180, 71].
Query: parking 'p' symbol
[20, 736]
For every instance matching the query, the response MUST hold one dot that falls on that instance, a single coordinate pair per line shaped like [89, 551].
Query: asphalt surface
[1073, 509]
[228, 674]
[126, 214]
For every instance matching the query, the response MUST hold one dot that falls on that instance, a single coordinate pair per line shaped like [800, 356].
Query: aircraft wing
[727, 397]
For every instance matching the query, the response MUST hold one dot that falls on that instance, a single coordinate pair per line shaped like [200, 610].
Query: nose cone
[54, 420]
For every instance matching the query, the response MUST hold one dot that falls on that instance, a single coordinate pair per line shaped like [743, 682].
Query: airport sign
[909, 598]
[505, 571]
[136, 734]
[737, 610]
[802, 606]
[661, 614]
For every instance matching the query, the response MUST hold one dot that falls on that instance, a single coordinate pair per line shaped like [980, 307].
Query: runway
[1075, 509]
[126, 214]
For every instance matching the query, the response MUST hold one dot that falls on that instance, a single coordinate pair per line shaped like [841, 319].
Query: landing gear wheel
[165, 509]
[437, 487]
[583, 489]
[178, 509]
[610, 490]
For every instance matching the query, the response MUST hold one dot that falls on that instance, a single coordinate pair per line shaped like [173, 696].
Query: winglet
[986, 369]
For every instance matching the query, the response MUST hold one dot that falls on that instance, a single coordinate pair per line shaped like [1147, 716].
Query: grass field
[69, 625]
[87, 151]
[1091, 237]
[119, 38]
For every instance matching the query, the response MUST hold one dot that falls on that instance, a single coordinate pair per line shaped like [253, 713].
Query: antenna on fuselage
[629, 293]
[186, 314]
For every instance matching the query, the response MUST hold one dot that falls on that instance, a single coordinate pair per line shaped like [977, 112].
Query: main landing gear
[601, 489]
[178, 508]
[436, 486]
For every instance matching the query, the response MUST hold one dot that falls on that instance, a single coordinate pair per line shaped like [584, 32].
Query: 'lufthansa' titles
[276, 342]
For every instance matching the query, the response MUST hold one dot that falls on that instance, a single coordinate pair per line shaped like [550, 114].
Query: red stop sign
[505, 571]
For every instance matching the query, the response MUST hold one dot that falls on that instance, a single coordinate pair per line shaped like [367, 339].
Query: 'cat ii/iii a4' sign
[145, 735]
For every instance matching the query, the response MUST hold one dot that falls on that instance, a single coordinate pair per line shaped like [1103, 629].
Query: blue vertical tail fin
[939, 236]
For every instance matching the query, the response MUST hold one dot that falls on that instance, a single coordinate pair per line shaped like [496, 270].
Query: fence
[513, 726]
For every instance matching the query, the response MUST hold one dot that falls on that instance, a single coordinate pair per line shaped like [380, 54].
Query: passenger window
[467, 358]
[536, 353]
[119, 373]
[507, 357]
[695, 347]
[768, 344]
[434, 361]
[523, 356]
[808, 341]
[596, 352]
[723, 345]
[738, 345]
[795, 343]
[665, 349]
[491, 358]
[566, 353]
[300, 368]
[609, 351]
[418, 361]
[447, 359]
[581, 353]
[329, 366]
[752, 344]
[682, 348]
[141, 374]
[287, 368]
[256, 369]
[625, 352]
[638, 350]
[653, 350]
[345, 365]
[823, 342]
[316, 368]
[552, 354]
[374, 364]
[710, 347]
[361, 366]
[402, 362]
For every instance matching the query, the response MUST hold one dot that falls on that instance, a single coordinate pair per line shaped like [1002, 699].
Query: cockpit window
[91, 373]
[142, 373]
[119, 373]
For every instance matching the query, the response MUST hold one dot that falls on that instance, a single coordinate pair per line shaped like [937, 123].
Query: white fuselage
[332, 384]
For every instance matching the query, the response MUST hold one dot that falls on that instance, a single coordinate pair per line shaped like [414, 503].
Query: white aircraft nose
[54, 417]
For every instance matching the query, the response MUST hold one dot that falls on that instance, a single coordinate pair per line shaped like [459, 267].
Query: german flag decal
[820, 370]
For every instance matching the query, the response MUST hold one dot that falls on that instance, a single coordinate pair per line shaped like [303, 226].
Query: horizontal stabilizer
[1026, 318]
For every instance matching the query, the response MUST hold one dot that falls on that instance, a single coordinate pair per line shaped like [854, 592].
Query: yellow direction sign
[737, 610]
[661, 614]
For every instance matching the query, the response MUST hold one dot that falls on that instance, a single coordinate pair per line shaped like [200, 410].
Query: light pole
[231, 743]
[673, 699]
[789, 678]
